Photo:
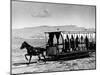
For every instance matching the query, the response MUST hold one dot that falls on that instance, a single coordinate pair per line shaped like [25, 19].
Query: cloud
[41, 13]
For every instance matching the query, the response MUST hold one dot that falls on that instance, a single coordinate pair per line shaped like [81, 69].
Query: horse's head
[23, 45]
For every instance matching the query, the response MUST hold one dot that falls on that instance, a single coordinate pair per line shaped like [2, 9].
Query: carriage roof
[72, 32]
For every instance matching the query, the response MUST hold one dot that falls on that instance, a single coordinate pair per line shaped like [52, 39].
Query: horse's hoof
[44, 62]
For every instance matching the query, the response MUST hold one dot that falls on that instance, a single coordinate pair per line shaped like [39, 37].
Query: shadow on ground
[23, 63]
[52, 59]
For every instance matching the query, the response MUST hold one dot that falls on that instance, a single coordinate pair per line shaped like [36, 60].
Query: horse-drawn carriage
[64, 44]
[69, 43]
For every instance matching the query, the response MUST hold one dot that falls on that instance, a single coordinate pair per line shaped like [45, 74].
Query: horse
[33, 51]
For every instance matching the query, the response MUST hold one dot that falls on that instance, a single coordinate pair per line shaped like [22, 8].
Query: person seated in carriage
[76, 42]
[50, 40]
[82, 45]
[72, 43]
[67, 44]
[87, 42]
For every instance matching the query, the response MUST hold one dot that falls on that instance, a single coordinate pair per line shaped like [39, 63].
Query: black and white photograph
[52, 37]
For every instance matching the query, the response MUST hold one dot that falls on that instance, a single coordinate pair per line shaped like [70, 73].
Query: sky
[32, 14]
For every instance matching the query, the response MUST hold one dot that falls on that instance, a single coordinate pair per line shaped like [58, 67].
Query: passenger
[72, 43]
[66, 45]
[82, 43]
[76, 42]
[87, 42]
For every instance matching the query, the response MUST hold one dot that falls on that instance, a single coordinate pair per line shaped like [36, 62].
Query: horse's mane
[38, 48]
[28, 44]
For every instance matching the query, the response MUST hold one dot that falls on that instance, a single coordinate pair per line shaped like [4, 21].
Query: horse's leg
[30, 58]
[39, 58]
[26, 57]
[44, 58]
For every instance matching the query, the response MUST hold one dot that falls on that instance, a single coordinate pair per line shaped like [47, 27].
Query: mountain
[38, 32]
[36, 36]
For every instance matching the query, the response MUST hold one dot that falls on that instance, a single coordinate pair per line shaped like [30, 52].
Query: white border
[5, 37]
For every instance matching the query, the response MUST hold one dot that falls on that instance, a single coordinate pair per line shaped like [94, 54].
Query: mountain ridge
[38, 31]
